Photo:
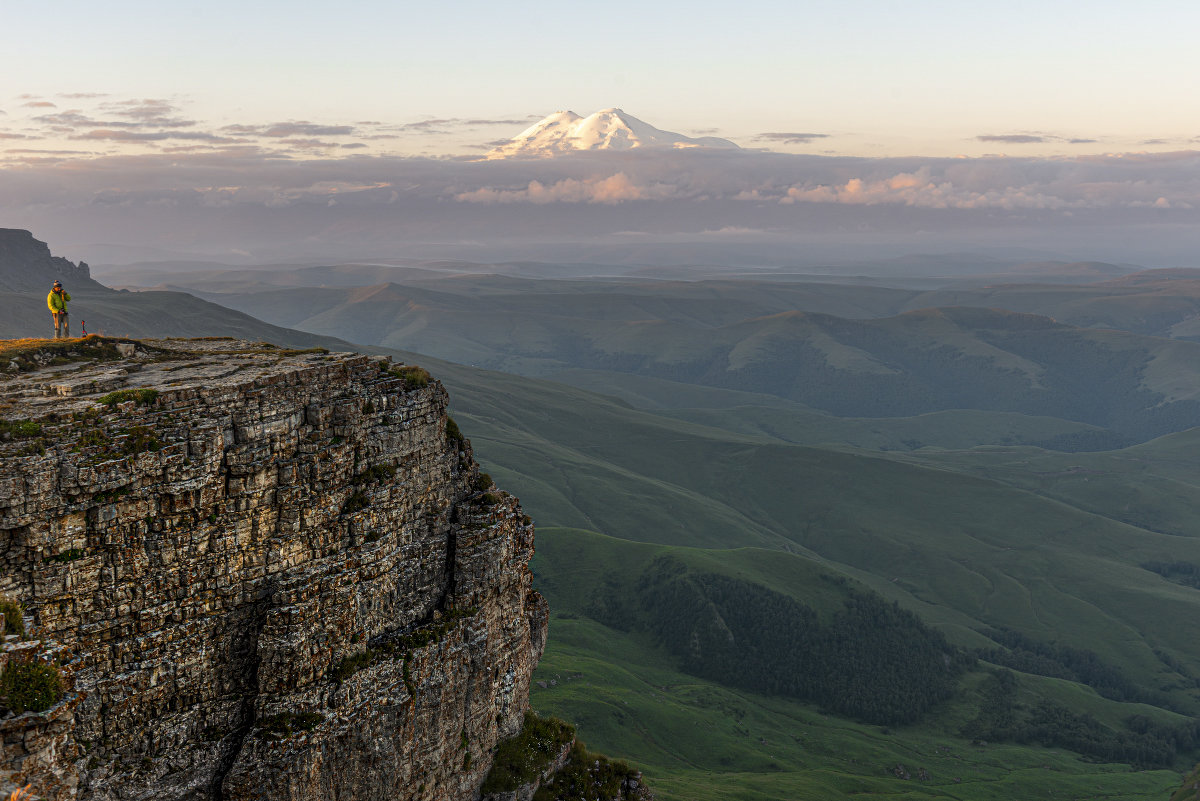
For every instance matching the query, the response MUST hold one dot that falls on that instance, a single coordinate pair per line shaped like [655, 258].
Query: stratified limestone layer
[276, 575]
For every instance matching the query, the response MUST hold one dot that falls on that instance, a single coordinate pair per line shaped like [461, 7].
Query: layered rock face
[274, 575]
[27, 266]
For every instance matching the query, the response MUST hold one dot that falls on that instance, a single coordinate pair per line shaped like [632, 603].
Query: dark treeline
[872, 661]
[1184, 573]
[1143, 742]
[1064, 662]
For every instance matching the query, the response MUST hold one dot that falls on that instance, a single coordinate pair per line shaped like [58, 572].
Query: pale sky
[872, 77]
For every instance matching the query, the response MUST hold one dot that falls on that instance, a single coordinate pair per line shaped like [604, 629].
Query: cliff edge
[262, 573]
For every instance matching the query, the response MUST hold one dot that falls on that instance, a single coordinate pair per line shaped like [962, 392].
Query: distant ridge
[609, 129]
[27, 266]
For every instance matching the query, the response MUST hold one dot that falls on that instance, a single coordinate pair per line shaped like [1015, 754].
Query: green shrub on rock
[414, 377]
[31, 686]
[453, 432]
[144, 397]
[521, 759]
[588, 777]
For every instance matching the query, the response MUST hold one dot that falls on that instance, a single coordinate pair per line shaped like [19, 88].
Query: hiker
[57, 301]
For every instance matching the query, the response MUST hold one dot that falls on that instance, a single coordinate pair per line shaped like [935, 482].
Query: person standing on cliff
[57, 301]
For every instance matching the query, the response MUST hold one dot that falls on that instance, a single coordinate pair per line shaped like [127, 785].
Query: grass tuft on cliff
[414, 377]
[30, 686]
[144, 396]
[453, 432]
[13, 614]
[20, 429]
[522, 759]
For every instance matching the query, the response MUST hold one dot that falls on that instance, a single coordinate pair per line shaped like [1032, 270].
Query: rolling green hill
[960, 549]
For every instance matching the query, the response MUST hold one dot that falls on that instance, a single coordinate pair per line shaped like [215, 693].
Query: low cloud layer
[143, 171]
[617, 188]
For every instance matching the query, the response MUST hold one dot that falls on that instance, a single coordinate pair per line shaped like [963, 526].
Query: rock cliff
[27, 266]
[266, 574]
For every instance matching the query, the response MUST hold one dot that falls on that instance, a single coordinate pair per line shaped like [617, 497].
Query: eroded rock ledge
[267, 574]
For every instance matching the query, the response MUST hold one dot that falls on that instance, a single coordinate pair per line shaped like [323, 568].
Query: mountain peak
[608, 129]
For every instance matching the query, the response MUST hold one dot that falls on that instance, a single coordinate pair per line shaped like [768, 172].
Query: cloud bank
[141, 171]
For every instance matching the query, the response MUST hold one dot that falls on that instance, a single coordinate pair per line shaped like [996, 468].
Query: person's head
[57, 287]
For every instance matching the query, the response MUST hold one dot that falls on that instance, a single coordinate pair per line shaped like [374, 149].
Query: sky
[151, 124]
[873, 77]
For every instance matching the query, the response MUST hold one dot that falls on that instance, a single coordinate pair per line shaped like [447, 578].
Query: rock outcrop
[27, 266]
[266, 574]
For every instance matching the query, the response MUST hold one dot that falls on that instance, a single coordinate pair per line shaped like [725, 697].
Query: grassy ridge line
[919, 361]
[758, 415]
[1151, 485]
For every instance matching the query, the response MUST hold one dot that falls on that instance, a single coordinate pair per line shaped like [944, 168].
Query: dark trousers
[62, 327]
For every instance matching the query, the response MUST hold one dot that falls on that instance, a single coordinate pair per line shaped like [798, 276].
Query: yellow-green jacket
[57, 301]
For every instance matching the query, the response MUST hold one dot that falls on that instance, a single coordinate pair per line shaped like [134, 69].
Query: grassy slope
[699, 740]
[962, 550]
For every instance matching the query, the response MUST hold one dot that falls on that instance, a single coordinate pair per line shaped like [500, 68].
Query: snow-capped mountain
[610, 129]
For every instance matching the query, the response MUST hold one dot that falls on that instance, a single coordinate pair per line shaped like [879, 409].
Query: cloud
[39, 104]
[151, 113]
[791, 138]
[150, 136]
[616, 188]
[922, 189]
[447, 125]
[478, 122]
[736, 231]
[122, 114]
[66, 120]
[305, 128]
[49, 152]
[82, 95]
[307, 143]
[1012, 139]
[6, 135]
[1035, 138]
